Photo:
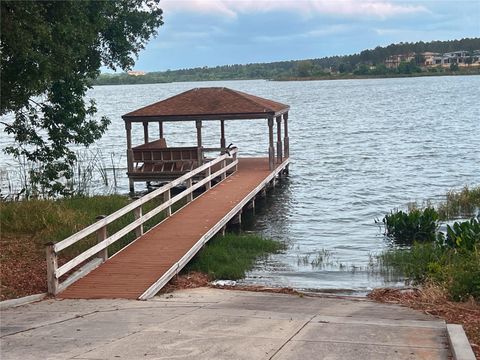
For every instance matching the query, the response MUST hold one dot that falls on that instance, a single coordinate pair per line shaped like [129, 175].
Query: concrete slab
[220, 324]
[373, 335]
[235, 325]
[435, 324]
[295, 350]
[185, 345]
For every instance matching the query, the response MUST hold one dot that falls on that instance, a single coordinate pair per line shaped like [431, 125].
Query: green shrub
[416, 225]
[464, 235]
[461, 276]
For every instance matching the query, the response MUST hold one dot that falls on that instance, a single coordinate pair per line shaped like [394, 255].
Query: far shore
[315, 78]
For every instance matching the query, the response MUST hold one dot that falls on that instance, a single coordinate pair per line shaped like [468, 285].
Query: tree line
[358, 64]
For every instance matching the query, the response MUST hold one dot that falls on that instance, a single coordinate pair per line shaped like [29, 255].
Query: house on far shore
[430, 59]
[455, 57]
[136, 73]
[393, 61]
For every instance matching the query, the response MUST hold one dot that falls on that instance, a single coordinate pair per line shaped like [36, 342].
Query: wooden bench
[151, 162]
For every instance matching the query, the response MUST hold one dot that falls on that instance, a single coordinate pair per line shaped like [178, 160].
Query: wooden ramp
[146, 265]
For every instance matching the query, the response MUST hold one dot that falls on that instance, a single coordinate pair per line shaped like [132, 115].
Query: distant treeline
[295, 68]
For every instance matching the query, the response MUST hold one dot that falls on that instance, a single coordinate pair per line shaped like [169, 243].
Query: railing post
[52, 265]
[189, 185]
[138, 213]
[167, 197]
[102, 235]
[235, 168]
[224, 174]
[208, 172]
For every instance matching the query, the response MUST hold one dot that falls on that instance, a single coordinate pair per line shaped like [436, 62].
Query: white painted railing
[99, 251]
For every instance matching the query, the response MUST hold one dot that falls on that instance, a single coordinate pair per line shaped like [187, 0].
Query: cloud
[231, 8]
[316, 33]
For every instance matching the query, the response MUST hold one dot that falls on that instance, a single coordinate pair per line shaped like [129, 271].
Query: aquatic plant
[464, 235]
[408, 227]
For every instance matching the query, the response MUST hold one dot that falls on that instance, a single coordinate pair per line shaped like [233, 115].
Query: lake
[359, 148]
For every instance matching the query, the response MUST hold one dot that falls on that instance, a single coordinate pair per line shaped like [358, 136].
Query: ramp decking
[161, 252]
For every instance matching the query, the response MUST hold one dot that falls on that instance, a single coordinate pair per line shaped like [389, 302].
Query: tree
[304, 68]
[408, 67]
[50, 53]
[454, 66]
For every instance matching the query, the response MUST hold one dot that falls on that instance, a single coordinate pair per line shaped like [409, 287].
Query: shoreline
[311, 78]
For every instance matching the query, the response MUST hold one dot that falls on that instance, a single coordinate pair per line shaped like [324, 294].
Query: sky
[199, 33]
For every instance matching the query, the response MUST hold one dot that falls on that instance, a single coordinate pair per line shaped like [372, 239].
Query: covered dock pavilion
[155, 161]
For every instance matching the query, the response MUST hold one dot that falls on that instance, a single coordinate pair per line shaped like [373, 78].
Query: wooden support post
[102, 235]
[137, 214]
[145, 131]
[198, 124]
[167, 197]
[286, 145]
[189, 185]
[263, 192]
[131, 186]
[237, 219]
[208, 172]
[222, 136]
[279, 140]
[251, 205]
[52, 265]
[128, 128]
[271, 149]
[160, 129]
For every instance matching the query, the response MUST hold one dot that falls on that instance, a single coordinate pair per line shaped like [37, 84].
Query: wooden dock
[142, 268]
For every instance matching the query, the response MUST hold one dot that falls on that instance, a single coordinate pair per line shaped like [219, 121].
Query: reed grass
[460, 203]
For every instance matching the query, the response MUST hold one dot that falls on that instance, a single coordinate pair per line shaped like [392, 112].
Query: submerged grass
[231, 256]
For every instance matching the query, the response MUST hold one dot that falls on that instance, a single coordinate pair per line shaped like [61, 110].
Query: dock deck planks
[133, 270]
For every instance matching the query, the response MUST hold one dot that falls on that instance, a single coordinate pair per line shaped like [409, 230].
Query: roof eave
[206, 117]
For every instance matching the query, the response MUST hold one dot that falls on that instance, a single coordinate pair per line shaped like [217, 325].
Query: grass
[26, 226]
[231, 256]
[47, 221]
[461, 203]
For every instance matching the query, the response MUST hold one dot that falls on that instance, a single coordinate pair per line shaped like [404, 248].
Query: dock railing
[99, 252]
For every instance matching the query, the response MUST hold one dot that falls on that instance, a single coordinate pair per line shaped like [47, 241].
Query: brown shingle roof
[210, 103]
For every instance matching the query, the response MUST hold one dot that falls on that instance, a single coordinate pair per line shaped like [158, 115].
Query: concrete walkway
[220, 324]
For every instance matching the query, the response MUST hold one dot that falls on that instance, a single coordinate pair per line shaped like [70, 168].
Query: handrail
[54, 272]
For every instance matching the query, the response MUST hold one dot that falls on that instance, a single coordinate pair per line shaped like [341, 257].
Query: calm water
[359, 148]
